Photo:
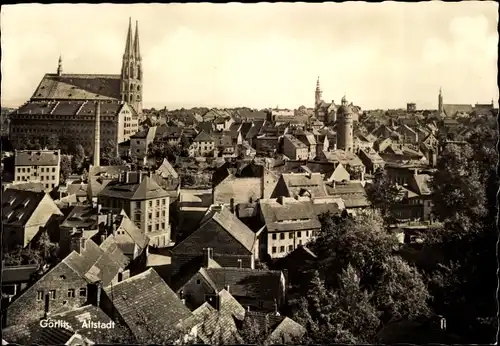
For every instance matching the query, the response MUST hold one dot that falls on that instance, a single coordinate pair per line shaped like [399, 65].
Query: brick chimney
[207, 256]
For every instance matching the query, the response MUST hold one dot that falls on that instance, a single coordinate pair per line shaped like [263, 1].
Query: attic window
[63, 277]
[26, 202]
[20, 215]
[70, 94]
[43, 87]
[12, 200]
[39, 94]
[9, 215]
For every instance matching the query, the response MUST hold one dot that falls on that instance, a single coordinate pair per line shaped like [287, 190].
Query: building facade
[38, 166]
[63, 105]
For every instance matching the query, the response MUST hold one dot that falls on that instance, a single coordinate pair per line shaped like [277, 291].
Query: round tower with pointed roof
[345, 137]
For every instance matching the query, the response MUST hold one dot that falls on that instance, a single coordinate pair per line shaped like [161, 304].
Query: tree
[78, 158]
[21, 256]
[52, 142]
[65, 169]
[383, 194]
[464, 281]
[459, 196]
[368, 280]
[48, 249]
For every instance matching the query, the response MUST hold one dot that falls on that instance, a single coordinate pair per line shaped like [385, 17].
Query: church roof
[78, 87]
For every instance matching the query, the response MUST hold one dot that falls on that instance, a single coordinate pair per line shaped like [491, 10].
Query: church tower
[131, 76]
[345, 137]
[317, 95]
[440, 102]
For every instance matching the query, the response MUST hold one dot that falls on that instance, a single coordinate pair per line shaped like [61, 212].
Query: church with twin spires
[64, 104]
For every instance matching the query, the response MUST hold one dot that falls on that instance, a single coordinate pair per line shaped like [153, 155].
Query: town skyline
[190, 61]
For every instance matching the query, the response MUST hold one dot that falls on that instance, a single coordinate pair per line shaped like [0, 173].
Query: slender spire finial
[129, 44]
[59, 66]
[137, 50]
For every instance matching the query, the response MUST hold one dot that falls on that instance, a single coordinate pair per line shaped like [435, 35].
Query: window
[39, 295]
[274, 249]
[53, 170]
[261, 304]
[157, 227]
[137, 205]
[157, 202]
[290, 248]
[150, 216]
[163, 201]
[52, 294]
[163, 213]
[157, 214]
[71, 293]
[53, 177]
[198, 281]
[150, 203]
[42, 169]
[307, 233]
[299, 235]
[274, 236]
[282, 249]
[41, 177]
[290, 235]
[282, 236]
[83, 292]
[150, 228]
[163, 225]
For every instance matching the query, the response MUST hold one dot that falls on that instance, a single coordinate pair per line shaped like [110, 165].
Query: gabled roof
[124, 223]
[289, 215]
[19, 205]
[37, 157]
[78, 87]
[259, 284]
[227, 222]
[220, 323]
[95, 263]
[422, 184]
[239, 169]
[146, 189]
[145, 299]
[452, 109]
[166, 170]
[76, 317]
[285, 331]
[203, 137]
[301, 184]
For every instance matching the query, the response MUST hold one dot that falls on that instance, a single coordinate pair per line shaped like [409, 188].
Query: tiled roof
[220, 323]
[37, 157]
[125, 224]
[289, 215]
[94, 263]
[146, 189]
[285, 331]
[422, 182]
[344, 157]
[27, 186]
[146, 300]
[76, 317]
[240, 169]
[166, 170]
[255, 129]
[295, 142]
[203, 137]
[300, 183]
[107, 171]
[78, 86]
[225, 221]
[334, 207]
[114, 252]
[15, 274]
[54, 336]
[453, 109]
[81, 217]
[19, 205]
[245, 282]
[339, 189]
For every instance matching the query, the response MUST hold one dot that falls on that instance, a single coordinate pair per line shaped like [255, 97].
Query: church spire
[59, 66]
[137, 50]
[129, 52]
[440, 101]
[318, 93]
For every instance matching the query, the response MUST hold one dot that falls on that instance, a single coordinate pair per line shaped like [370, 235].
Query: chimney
[99, 207]
[103, 238]
[231, 207]
[109, 222]
[97, 135]
[207, 256]
[124, 275]
[227, 288]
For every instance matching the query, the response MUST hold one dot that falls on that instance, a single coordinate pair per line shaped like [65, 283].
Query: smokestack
[97, 135]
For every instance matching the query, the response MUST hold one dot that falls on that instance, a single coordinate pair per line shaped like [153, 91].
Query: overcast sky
[380, 55]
